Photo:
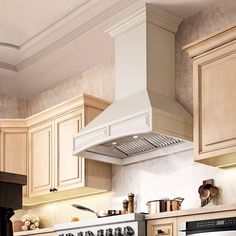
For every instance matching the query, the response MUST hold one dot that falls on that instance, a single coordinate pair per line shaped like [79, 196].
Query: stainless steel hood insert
[136, 148]
[134, 145]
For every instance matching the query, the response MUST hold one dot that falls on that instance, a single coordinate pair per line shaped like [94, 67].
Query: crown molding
[162, 18]
[127, 24]
[85, 5]
[81, 29]
[7, 66]
[87, 16]
[148, 13]
[9, 45]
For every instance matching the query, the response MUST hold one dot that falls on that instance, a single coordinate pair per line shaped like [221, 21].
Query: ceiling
[24, 19]
[36, 37]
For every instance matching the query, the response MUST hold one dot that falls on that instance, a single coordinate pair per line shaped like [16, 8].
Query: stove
[122, 225]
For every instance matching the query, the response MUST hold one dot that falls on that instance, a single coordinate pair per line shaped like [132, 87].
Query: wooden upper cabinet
[14, 150]
[54, 173]
[214, 86]
[13, 146]
[41, 147]
[217, 102]
[69, 169]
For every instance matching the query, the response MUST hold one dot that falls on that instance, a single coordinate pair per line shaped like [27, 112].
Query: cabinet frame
[89, 180]
[4, 131]
[207, 53]
[79, 181]
[218, 148]
[48, 126]
[167, 225]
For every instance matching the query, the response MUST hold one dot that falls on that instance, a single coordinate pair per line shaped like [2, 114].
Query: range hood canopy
[145, 121]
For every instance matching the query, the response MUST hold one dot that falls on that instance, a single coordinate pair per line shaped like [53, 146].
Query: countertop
[101, 221]
[34, 232]
[194, 211]
[13, 178]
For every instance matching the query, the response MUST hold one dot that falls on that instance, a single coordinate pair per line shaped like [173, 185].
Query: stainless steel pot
[157, 206]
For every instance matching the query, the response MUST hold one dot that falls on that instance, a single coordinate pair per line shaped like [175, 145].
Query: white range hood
[145, 121]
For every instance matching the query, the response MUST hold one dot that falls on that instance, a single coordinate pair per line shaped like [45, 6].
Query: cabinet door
[162, 227]
[14, 151]
[214, 103]
[69, 168]
[41, 159]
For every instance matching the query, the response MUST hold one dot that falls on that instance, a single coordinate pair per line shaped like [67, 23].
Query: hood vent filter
[138, 144]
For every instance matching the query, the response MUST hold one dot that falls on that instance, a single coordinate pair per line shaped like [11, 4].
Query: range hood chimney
[145, 121]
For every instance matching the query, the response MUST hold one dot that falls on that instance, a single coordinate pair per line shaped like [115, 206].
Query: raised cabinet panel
[40, 159]
[214, 97]
[14, 151]
[217, 104]
[162, 227]
[69, 169]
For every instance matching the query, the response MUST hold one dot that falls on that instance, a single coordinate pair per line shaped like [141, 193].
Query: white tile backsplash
[171, 176]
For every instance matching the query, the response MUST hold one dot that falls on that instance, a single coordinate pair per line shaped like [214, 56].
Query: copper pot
[157, 206]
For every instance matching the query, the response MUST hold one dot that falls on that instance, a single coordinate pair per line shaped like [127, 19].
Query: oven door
[209, 232]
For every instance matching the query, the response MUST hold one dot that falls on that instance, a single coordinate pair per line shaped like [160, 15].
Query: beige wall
[216, 17]
[12, 107]
[171, 176]
[97, 81]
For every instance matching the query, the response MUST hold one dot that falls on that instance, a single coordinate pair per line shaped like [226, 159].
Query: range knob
[69, 234]
[89, 233]
[128, 231]
[109, 232]
[100, 232]
[80, 233]
[61, 234]
[118, 231]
